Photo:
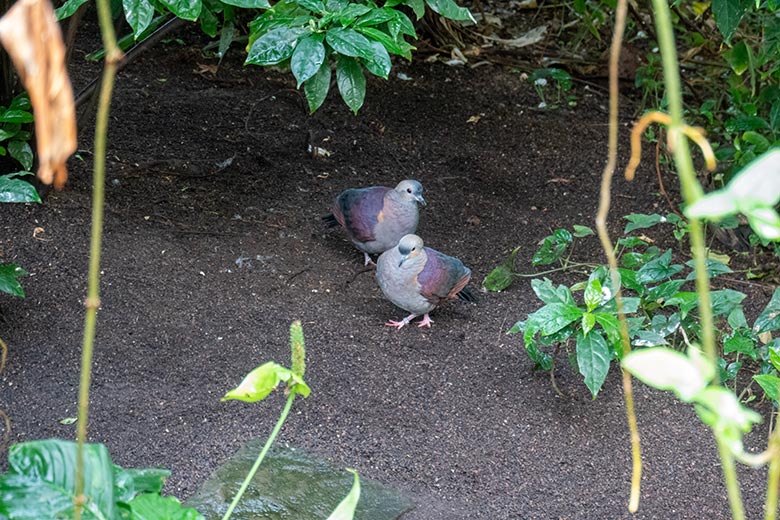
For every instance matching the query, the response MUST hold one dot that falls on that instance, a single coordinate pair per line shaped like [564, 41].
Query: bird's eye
[408, 190]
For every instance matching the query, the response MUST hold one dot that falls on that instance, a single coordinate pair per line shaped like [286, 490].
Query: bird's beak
[403, 259]
[420, 199]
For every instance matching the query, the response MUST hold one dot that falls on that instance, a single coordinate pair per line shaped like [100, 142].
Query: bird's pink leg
[368, 259]
[400, 324]
[425, 322]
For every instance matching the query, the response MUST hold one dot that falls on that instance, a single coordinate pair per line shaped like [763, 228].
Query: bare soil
[213, 245]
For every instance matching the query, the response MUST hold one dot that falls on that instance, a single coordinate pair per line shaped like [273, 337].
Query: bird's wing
[443, 277]
[358, 211]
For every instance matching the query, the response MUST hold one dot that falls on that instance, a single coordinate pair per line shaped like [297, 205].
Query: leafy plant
[40, 483]
[556, 80]
[14, 139]
[9, 279]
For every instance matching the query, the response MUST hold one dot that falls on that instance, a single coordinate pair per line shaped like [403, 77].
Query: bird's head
[411, 190]
[409, 246]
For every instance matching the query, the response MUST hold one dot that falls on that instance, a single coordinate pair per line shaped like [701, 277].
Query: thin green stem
[93, 291]
[730, 477]
[773, 479]
[260, 457]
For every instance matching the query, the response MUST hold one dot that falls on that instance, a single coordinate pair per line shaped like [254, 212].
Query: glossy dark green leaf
[308, 57]
[555, 316]
[351, 81]
[346, 509]
[249, 4]
[663, 292]
[770, 385]
[316, 87]
[16, 116]
[542, 360]
[728, 14]
[418, 6]
[736, 319]
[728, 371]
[659, 269]
[9, 281]
[349, 42]
[155, 507]
[628, 279]
[68, 8]
[552, 248]
[741, 342]
[588, 322]
[498, 279]
[592, 295]
[714, 268]
[13, 189]
[315, 6]
[400, 48]
[21, 102]
[40, 482]
[745, 123]
[449, 9]
[685, 301]
[582, 231]
[352, 12]
[593, 357]
[739, 57]
[611, 327]
[640, 221]
[128, 483]
[208, 22]
[548, 293]
[274, 46]
[22, 152]
[649, 338]
[725, 300]
[226, 36]
[139, 14]
[769, 319]
[265, 379]
[376, 17]
[186, 9]
[401, 24]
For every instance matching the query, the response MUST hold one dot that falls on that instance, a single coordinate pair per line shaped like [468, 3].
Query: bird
[418, 279]
[375, 218]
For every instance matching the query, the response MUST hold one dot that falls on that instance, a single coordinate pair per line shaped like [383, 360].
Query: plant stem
[92, 303]
[260, 457]
[730, 477]
[773, 479]
[609, 250]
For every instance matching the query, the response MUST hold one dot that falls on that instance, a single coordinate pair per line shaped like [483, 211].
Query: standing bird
[419, 279]
[376, 218]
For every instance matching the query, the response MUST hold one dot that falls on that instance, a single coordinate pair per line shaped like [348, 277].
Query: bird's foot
[400, 324]
[425, 322]
[368, 260]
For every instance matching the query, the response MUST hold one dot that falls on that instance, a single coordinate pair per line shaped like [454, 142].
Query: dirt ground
[213, 245]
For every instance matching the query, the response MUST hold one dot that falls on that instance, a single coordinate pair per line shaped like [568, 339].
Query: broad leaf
[308, 57]
[376, 17]
[128, 483]
[658, 270]
[274, 46]
[418, 6]
[351, 82]
[155, 507]
[208, 22]
[769, 319]
[592, 294]
[17, 190]
[9, 279]
[664, 291]
[552, 247]
[725, 301]
[316, 87]
[649, 338]
[400, 48]
[16, 116]
[68, 8]
[548, 293]
[582, 231]
[249, 4]
[640, 221]
[555, 316]
[714, 268]
[346, 509]
[741, 342]
[666, 369]
[316, 6]
[770, 384]
[40, 482]
[728, 14]
[139, 14]
[593, 357]
[186, 9]
[349, 42]
[352, 12]
[449, 9]
[263, 380]
[22, 152]
[379, 63]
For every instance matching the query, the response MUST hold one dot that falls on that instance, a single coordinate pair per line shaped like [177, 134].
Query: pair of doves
[381, 220]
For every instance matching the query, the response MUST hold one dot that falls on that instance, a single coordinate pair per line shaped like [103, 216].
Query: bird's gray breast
[398, 218]
[399, 283]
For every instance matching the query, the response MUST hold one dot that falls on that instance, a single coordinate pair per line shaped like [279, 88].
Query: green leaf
[542, 360]
[128, 483]
[774, 357]
[308, 57]
[9, 283]
[769, 319]
[611, 326]
[449, 9]
[349, 42]
[208, 22]
[548, 293]
[588, 322]
[400, 48]
[592, 294]
[664, 291]
[736, 319]
[316, 87]
[725, 300]
[770, 384]
[249, 4]
[738, 57]
[351, 81]
[401, 24]
[16, 116]
[275, 46]
[741, 342]
[22, 152]
[501, 277]
[186, 9]
[263, 380]
[155, 507]
[346, 509]
[649, 338]
[659, 269]
[685, 301]
[379, 63]
[17, 190]
[666, 369]
[714, 268]
[68, 8]
[226, 36]
[728, 14]
[555, 316]
[593, 356]
[582, 231]
[376, 17]
[9, 130]
[552, 248]
[418, 6]
[719, 408]
[139, 14]
[316, 6]
[40, 482]
[351, 13]
[640, 221]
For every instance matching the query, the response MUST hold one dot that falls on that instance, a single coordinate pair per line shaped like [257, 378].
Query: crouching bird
[376, 218]
[418, 279]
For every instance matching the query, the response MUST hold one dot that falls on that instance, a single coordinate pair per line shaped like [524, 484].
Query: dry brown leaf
[204, 69]
[30, 33]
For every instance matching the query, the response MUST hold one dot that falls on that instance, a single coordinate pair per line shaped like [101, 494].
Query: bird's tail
[467, 294]
[330, 220]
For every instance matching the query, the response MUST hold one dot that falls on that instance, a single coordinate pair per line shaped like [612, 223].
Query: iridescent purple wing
[357, 210]
[443, 277]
